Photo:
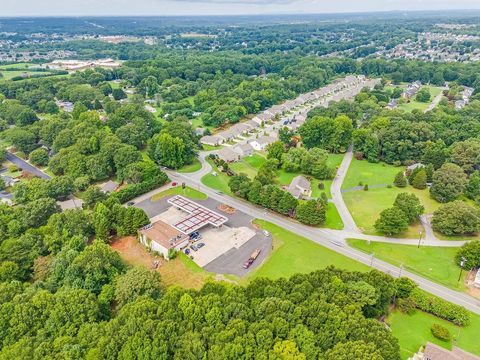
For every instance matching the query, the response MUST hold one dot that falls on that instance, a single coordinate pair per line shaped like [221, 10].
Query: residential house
[412, 90]
[263, 117]
[476, 282]
[73, 203]
[243, 150]
[436, 352]
[212, 140]
[228, 155]
[261, 143]
[108, 187]
[392, 104]
[300, 187]
[253, 124]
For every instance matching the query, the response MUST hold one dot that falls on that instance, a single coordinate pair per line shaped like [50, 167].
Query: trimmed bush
[440, 332]
[441, 308]
[131, 191]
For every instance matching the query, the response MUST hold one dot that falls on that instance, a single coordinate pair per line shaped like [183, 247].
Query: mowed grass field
[366, 206]
[177, 190]
[362, 171]
[295, 254]
[195, 166]
[413, 331]
[434, 263]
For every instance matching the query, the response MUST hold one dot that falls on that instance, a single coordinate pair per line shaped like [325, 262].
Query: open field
[434, 263]
[180, 271]
[294, 254]
[416, 105]
[334, 221]
[195, 166]
[413, 331]
[366, 206]
[177, 190]
[219, 182]
[362, 171]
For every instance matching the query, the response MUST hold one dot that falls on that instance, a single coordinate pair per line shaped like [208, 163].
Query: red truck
[252, 258]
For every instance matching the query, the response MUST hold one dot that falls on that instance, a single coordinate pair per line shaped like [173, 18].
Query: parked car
[130, 203]
[195, 239]
[194, 234]
[187, 251]
[174, 183]
[194, 247]
[200, 245]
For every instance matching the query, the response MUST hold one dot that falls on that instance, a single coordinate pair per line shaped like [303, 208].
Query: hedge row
[441, 308]
[133, 190]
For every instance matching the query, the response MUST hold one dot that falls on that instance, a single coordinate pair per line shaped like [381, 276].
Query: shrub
[441, 308]
[400, 180]
[365, 188]
[406, 306]
[440, 332]
[321, 185]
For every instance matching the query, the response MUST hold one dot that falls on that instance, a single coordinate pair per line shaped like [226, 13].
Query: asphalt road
[22, 164]
[334, 240]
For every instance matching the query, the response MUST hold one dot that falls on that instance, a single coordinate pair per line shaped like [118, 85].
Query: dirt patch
[173, 272]
[134, 253]
[226, 209]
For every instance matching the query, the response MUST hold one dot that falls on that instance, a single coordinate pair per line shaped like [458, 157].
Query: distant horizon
[196, 8]
[245, 14]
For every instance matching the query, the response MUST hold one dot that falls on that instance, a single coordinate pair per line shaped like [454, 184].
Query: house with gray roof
[243, 150]
[228, 155]
[108, 187]
[300, 187]
[213, 140]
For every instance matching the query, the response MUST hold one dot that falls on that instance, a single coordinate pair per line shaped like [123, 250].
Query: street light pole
[462, 264]
[371, 262]
[420, 238]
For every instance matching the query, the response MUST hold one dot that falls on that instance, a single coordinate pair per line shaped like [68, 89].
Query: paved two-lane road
[334, 240]
[22, 164]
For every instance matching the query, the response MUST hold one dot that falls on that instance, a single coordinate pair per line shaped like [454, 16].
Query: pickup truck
[251, 259]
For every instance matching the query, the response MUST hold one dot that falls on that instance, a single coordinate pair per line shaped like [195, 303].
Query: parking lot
[226, 248]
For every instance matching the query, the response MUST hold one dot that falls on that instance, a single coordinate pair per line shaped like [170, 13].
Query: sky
[217, 7]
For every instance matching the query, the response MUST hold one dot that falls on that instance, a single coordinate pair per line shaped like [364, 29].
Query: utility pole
[420, 238]
[371, 261]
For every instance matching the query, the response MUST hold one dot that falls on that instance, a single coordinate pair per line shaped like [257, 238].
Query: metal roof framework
[199, 216]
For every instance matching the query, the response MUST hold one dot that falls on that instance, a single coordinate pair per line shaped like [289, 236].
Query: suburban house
[253, 124]
[162, 238]
[261, 143]
[73, 203]
[228, 155]
[243, 150]
[300, 187]
[411, 90]
[262, 117]
[436, 352]
[212, 140]
[392, 104]
[108, 187]
[476, 282]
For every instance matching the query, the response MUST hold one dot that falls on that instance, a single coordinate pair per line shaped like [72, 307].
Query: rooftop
[163, 234]
[199, 215]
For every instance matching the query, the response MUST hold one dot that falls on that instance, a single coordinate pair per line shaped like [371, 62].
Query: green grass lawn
[177, 190]
[434, 263]
[366, 206]
[219, 182]
[333, 218]
[413, 331]
[295, 254]
[369, 173]
[210, 147]
[413, 104]
[195, 166]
